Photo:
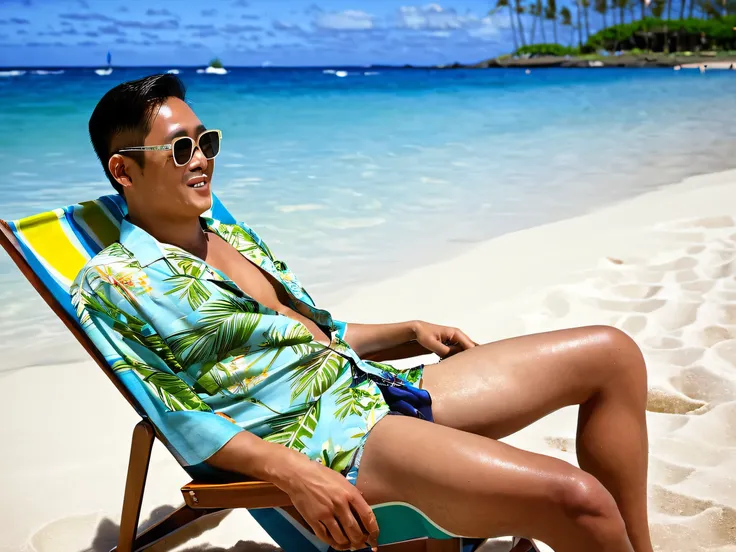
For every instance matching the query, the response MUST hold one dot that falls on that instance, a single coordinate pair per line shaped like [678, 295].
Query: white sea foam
[44, 72]
[303, 207]
[13, 73]
[213, 71]
[173, 71]
[352, 222]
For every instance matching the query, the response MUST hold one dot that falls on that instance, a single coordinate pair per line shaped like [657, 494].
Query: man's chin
[202, 204]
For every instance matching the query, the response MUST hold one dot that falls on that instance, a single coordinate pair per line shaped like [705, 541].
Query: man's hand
[334, 509]
[444, 341]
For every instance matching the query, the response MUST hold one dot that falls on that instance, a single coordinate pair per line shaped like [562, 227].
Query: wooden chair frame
[200, 498]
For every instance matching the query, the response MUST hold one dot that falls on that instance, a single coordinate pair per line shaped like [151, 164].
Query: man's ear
[118, 170]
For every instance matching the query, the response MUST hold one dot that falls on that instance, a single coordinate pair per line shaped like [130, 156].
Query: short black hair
[129, 107]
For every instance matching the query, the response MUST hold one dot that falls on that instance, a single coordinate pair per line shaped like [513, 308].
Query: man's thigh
[468, 484]
[499, 388]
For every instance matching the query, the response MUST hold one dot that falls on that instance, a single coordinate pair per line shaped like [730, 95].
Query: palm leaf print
[264, 405]
[174, 393]
[353, 400]
[186, 280]
[339, 461]
[130, 327]
[292, 430]
[316, 375]
[298, 337]
[227, 324]
[119, 252]
[245, 243]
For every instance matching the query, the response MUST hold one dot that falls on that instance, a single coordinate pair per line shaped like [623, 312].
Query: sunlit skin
[455, 470]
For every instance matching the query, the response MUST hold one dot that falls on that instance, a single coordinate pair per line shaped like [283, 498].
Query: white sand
[662, 267]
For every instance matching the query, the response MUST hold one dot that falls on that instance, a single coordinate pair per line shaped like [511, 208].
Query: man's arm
[384, 341]
[334, 509]
[404, 340]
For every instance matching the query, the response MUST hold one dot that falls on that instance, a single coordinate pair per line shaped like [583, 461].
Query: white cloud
[348, 20]
[486, 30]
[433, 17]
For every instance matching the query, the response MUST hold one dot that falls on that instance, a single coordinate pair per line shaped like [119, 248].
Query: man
[244, 374]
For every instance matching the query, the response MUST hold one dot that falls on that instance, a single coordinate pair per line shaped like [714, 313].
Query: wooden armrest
[243, 494]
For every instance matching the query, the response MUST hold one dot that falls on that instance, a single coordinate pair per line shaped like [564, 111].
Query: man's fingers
[464, 340]
[336, 533]
[439, 348]
[351, 527]
[322, 534]
[367, 519]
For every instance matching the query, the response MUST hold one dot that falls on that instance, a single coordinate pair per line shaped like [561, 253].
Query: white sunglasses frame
[170, 147]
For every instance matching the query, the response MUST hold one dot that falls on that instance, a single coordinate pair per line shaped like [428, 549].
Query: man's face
[161, 188]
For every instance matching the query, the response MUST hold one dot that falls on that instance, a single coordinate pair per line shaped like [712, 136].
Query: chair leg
[140, 457]
[173, 522]
[410, 546]
[444, 545]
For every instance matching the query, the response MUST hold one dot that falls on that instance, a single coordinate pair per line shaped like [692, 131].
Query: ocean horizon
[352, 174]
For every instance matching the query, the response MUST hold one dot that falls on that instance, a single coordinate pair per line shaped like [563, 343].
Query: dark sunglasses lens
[209, 143]
[183, 151]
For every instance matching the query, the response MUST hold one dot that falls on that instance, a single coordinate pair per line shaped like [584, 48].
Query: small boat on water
[108, 70]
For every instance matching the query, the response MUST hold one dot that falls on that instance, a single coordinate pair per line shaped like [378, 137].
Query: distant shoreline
[622, 61]
[501, 62]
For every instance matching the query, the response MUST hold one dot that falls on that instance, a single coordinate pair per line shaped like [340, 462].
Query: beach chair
[50, 249]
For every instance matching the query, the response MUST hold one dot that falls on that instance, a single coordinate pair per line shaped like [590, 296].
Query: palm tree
[535, 13]
[519, 12]
[658, 8]
[506, 4]
[540, 14]
[578, 5]
[586, 5]
[601, 7]
[621, 4]
[566, 20]
[550, 13]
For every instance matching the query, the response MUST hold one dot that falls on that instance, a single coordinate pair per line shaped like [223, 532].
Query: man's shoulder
[115, 258]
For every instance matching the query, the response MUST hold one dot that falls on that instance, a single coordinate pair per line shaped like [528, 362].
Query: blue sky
[248, 32]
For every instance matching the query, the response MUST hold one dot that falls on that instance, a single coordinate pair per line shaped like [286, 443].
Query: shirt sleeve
[342, 327]
[191, 430]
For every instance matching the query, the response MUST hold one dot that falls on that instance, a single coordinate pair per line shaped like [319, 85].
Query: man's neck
[184, 233]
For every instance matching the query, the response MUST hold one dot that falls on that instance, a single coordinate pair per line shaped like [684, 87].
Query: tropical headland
[651, 41]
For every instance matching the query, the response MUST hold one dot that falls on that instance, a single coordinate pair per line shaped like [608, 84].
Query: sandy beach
[662, 267]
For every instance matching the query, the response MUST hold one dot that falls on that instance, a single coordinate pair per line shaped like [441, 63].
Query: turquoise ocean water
[356, 174]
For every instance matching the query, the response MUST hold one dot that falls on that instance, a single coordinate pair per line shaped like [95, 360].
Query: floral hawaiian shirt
[210, 361]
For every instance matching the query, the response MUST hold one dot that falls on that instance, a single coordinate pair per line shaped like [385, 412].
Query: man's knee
[620, 357]
[586, 503]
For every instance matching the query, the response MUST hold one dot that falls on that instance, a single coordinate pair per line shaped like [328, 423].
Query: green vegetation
[666, 35]
[547, 50]
[216, 63]
[627, 25]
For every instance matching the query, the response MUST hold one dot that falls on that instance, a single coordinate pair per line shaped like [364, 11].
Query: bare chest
[255, 282]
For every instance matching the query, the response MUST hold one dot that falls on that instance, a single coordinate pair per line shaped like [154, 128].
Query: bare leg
[499, 388]
[478, 487]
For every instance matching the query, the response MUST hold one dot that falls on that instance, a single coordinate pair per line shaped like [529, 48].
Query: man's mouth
[197, 182]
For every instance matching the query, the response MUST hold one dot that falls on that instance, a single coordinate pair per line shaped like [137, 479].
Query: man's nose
[198, 160]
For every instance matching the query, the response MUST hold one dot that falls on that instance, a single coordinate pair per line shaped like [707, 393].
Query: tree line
[540, 15]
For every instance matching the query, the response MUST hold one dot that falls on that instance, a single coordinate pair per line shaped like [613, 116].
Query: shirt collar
[144, 247]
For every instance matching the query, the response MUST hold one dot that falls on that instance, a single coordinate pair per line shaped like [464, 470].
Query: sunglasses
[182, 148]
